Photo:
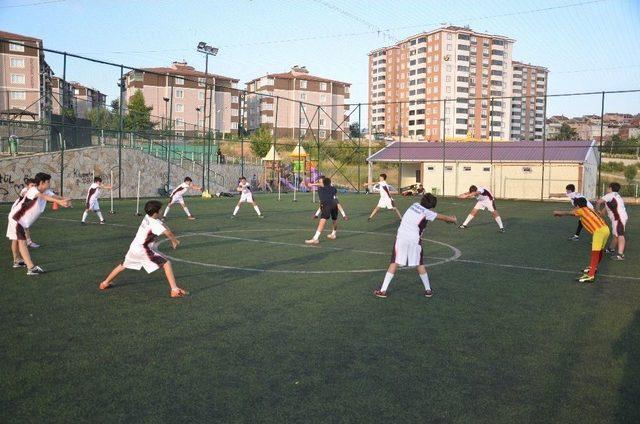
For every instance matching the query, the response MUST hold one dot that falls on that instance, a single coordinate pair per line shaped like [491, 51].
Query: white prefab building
[513, 170]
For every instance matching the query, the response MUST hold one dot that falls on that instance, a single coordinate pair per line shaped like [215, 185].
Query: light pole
[197, 120]
[166, 102]
[207, 50]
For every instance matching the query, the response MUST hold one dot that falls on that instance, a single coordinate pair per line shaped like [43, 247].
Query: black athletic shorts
[329, 210]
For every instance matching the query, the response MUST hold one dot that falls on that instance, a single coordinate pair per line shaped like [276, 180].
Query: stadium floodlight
[207, 49]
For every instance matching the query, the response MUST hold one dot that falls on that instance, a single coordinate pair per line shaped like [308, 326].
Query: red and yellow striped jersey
[590, 220]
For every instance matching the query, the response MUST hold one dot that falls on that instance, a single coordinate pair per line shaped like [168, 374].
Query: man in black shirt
[328, 209]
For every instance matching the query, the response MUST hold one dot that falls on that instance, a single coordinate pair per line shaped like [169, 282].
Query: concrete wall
[81, 164]
[506, 180]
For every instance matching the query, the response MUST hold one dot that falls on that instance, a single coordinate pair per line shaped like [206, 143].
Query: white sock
[468, 220]
[333, 233]
[317, 236]
[257, 209]
[166, 211]
[235, 211]
[387, 280]
[342, 213]
[318, 212]
[100, 217]
[425, 281]
[499, 221]
[84, 216]
[186, 210]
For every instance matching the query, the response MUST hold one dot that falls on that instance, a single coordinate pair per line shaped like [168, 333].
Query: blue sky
[588, 45]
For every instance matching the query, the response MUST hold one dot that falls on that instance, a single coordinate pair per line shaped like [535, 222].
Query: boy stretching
[23, 214]
[599, 230]
[329, 209]
[92, 204]
[618, 215]
[407, 250]
[485, 200]
[176, 197]
[573, 195]
[246, 196]
[143, 252]
[386, 201]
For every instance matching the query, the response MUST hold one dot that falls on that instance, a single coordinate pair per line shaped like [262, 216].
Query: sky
[588, 45]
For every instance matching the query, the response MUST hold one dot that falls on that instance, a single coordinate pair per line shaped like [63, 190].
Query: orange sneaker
[179, 292]
[104, 285]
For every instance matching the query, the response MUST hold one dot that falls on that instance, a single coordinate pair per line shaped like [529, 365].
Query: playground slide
[287, 184]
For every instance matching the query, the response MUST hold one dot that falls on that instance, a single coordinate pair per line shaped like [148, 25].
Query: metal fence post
[600, 145]
[359, 144]
[544, 144]
[444, 142]
[400, 149]
[121, 129]
[491, 141]
[64, 85]
[173, 133]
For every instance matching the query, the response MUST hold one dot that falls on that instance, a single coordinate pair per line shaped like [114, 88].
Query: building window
[235, 99]
[303, 96]
[486, 169]
[323, 86]
[234, 125]
[17, 62]
[201, 82]
[179, 81]
[16, 46]
[448, 168]
[179, 122]
[322, 122]
[466, 168]
[179, 94]
[200, 95]
[430, 168]
[527, 169]
[18, 95]
[179, 108]
[323, 133]
[17, 79]
[323, 98]
[303, 84]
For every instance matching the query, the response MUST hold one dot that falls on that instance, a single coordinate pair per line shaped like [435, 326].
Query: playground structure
[296, 175]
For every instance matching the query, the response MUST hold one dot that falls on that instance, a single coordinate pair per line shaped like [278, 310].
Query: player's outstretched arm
[451, 219]
[563, 213]
[557, 194]
[196, 187]
[465, 195]
[65, 202]
[172, 238]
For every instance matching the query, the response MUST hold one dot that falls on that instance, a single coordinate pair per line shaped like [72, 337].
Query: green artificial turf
[495, 344]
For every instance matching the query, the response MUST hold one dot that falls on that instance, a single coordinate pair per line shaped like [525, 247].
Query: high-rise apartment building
[187, 101]
[528, 104]
[439, 84]
[297, 116]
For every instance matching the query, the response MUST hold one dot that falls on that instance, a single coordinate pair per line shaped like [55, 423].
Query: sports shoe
[346, 218]
[379, 293]
[586, 270]
[35, 270]
[191, 218]
[331, 236]
[574, 238]
[102, 222]
[312, 241]
[19, 264]
[462, 226]
[104, 285]
[607, 250]
[179, 292]
[428, 293]
[502, 230]
[261, 216]
[368, 219]
[233, 217]
[618, 257]
[314, 216]
[33, 245]
[586, 278]
[83, 223]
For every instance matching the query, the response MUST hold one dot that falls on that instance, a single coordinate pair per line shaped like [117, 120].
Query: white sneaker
[35, 270]
[312, 241]
[19, 264]
[331, 236]
[33, 245]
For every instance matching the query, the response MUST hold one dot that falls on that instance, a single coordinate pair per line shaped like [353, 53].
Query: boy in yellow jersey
[599, 230]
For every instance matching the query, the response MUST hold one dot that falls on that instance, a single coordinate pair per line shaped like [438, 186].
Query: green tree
[567, 132]
[354, 130]
[261, 141]
[138, 117]
[630, 172]
[100, 117]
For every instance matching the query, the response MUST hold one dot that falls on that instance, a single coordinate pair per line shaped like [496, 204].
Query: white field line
[457, 259]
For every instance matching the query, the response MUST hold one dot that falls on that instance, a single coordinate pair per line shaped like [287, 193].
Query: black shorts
[329, 210]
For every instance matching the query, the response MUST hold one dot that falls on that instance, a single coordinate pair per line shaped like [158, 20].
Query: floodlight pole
[207, 50]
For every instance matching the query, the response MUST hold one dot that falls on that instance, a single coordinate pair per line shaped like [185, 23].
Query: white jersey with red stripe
[93, 194]
[27, 210]
[615, 207]
[42, 203]
[484, 194]
[385, 194]
[178, 192]
[150, 228]
[575, 195]
[414, 222]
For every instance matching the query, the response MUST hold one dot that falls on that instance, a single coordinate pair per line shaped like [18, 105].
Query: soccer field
[277, 331]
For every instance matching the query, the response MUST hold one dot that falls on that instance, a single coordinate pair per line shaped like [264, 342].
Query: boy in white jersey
[618, 215]
[486, 201]
[246, 196]
[30, 183]
[24, 213]
[143, 252]
[386, 201]
[407, 250]
[176, 197]
[573, 195]
[91, 204]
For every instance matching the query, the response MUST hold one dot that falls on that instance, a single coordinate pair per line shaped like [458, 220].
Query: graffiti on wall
[10, 186]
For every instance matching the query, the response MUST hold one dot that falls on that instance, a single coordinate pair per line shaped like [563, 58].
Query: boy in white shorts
[143, 252]
[573, 195]
[23, 214]
[176, 197]
[386, 201]
[30, 182]
[618, 216]
[485, 200]
[91, 204]
[246, 196]
[407, 250]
